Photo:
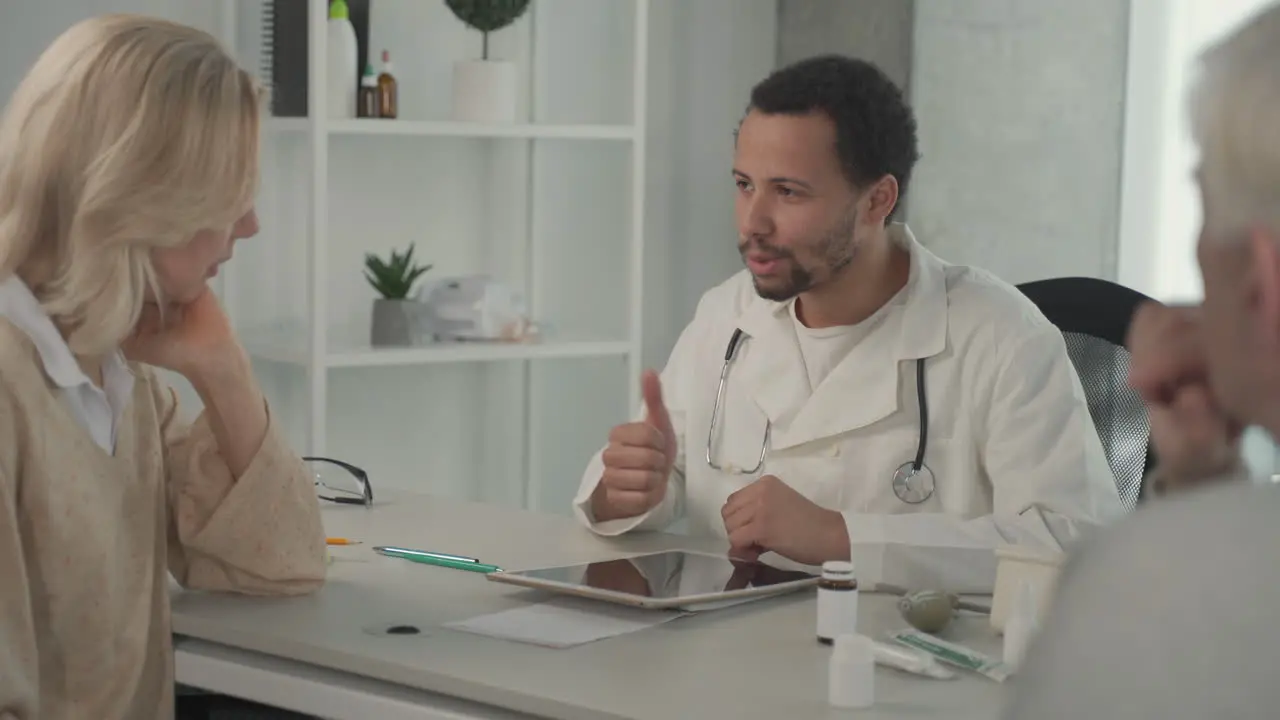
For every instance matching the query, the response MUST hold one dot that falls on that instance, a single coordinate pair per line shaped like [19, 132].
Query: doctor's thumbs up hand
[638, 460]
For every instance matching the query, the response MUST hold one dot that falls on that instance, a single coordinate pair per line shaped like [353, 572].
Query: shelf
[458, 129]
[476, 352]
[291, 348]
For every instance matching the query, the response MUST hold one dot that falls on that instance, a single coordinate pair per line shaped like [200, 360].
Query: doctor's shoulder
[988, 314]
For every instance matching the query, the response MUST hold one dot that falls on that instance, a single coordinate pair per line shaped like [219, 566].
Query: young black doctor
[849, 395]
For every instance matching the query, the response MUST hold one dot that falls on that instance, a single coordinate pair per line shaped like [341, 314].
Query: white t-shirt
[824, 348]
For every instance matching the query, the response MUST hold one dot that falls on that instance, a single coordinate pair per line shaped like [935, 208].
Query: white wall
[1161, 208]
[29, 27]
[1020, 106]
[707, 55]
[879, 31]
[1020, 111]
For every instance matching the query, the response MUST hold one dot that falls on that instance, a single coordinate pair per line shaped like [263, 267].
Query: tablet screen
[670, 574]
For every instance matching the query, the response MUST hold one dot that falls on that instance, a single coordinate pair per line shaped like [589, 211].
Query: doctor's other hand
[770, 516]
[1194, 439]
[638, 460]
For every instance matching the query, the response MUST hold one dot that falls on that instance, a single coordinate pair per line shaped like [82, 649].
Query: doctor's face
[797, 213]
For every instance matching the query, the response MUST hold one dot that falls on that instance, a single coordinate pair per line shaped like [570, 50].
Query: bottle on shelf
[367, 103]
[387, 106]
[343, 62]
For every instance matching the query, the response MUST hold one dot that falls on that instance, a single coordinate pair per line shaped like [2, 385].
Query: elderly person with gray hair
[1171, 613]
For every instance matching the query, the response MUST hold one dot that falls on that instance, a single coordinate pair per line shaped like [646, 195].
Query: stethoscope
[913, 481]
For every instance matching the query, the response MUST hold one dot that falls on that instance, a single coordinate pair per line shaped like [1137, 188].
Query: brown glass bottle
[387, 105]
[837, 601]
[367, 99]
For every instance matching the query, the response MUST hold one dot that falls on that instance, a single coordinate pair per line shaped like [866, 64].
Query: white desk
[316, 655]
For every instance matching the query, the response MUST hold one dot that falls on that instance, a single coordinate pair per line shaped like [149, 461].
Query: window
[1160, 209]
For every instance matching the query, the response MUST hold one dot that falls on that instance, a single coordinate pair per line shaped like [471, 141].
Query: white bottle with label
[343, 64]
[837, 601]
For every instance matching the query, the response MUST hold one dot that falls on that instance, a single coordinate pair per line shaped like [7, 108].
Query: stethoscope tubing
[916, 465]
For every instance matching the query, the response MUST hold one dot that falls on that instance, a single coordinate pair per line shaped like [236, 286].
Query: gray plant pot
[394, 322]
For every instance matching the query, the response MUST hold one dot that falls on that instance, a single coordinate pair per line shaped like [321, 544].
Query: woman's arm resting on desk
[19, 684]
[243, 509]
[236, 410]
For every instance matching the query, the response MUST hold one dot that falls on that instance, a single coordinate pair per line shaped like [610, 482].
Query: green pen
[457, 562]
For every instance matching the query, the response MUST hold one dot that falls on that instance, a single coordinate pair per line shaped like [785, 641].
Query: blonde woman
[128, 166]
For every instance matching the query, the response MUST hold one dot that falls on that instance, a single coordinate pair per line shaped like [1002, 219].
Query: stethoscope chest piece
[913, 485]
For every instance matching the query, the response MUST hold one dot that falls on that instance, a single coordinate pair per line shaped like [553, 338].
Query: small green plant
[487, 15]
[394, 279]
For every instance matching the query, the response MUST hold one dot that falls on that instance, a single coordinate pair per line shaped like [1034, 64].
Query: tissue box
[472, 307]
[1016, 563]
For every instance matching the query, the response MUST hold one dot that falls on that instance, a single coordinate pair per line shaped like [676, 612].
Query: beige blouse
[87, 540]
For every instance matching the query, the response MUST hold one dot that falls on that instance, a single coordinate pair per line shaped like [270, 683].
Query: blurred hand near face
[1193, 438]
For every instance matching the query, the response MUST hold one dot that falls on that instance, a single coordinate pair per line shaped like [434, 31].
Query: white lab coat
[1011, 443]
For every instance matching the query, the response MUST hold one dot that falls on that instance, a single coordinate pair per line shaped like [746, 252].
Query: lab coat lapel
[924, 319]
[864, 387]
[770, 365]
[860, 390]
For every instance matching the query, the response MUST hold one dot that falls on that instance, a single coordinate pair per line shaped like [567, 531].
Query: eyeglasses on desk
[340, 482]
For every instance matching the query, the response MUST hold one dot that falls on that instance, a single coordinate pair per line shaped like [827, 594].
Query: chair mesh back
[1093, 315]
[1117, 409]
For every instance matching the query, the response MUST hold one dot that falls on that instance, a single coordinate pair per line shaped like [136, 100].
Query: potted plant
[394, 314]
[485, 90]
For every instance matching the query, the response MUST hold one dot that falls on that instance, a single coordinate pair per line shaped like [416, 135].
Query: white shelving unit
[553, 206]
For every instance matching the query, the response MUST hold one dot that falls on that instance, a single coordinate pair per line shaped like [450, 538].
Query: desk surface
[758, 660]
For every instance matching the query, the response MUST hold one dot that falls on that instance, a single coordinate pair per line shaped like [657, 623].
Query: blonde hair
[128, 134]
[1235, 117]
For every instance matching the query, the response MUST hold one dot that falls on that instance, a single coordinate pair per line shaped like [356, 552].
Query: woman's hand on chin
[194, 339]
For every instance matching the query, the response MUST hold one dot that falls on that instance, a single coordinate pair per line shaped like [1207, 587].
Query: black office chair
[1094, 316]
[191, 704]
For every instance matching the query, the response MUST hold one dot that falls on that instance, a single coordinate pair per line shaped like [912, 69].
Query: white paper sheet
[564, 622]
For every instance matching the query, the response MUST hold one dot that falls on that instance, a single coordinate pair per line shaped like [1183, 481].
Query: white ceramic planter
[1014, 565]
[485, 91]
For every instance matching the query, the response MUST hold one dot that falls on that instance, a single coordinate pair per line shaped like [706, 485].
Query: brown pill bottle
[387, 105]
[367, 99]
[837, 601]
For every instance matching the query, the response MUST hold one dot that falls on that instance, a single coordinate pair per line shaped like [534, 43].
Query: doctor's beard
[835, 250]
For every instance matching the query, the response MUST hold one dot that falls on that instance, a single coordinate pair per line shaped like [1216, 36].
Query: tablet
[673, 579]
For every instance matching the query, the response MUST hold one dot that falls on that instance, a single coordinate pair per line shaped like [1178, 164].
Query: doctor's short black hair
[875, 127]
